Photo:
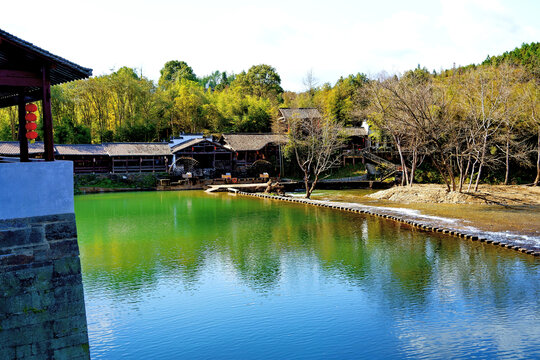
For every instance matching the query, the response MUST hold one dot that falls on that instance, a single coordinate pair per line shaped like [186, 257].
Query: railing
[142, 168]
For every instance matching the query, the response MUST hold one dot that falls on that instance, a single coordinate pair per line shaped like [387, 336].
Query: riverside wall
[42, 311]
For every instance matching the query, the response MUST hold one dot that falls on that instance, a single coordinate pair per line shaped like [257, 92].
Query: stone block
[24, 319]
[67, 266]
[14, 223]
[70, 217]
[15, 259]
[69, 326]
[15, 304]
[10, 284]
[63, 248]
[70, 353]
[43, 277]
[73, 341]
[7, 353]
[23, 351]
[65, 309]
[69, 293]
[60, 230]
[22, 236]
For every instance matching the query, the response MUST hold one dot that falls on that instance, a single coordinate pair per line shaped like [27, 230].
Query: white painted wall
[36, 189]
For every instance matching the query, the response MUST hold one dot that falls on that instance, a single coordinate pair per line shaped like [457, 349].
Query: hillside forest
[469, 124]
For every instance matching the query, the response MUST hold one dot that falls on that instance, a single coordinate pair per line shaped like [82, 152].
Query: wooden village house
[102, 158]
[202, 156]
[87, 158]
[250, 147]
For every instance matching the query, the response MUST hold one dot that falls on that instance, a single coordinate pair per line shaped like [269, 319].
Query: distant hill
[527, 55]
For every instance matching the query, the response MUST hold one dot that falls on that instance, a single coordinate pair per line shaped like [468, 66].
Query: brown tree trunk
[507, 159]
[413, 167]
[537, 180]
[308, 195]
[306, 184]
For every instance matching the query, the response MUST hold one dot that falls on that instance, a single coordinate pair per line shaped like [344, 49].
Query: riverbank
[502, 195]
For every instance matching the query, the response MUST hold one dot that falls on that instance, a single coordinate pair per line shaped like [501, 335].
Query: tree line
[466, 123]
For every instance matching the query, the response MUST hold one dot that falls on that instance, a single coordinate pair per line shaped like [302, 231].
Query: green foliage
[114, 181]
[347, 171]
[174, 71]
[218, 80]
[66, 132]
[260, 81]
[528, 55]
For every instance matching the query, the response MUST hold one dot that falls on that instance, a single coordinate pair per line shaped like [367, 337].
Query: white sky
[333, 37]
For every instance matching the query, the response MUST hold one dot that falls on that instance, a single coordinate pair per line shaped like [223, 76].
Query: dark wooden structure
[138, 157]
[356, 141]
[26, 75]
[209, 154]
[250, 147]
[87, 158]
[103, 158]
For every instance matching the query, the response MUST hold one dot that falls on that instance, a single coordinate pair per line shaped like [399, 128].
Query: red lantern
[31, 135]
[30, 126]
[30, 117]
[31, 107]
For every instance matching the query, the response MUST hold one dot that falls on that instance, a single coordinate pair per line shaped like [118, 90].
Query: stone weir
[42, 312]
[507, 243]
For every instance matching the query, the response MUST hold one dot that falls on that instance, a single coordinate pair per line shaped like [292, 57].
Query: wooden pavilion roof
[22, 61]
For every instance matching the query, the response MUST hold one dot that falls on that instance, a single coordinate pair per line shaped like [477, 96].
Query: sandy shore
[509, 195]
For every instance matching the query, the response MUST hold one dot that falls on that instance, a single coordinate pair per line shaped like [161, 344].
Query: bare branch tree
[316, 143]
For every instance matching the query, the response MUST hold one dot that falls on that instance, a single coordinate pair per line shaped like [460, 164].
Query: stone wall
[42, 313]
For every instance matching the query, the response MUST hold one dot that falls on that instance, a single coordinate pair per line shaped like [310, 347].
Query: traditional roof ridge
[252, 142]
[43, 53]
[192, 142]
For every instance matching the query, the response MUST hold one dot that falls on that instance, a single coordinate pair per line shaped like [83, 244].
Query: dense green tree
[175, 70]
[261, 81]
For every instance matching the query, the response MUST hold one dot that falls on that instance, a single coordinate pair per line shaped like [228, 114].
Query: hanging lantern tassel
[31, 125]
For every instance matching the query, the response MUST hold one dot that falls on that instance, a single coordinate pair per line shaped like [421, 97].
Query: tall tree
[261, 81]
[315, 143]
[175, 70]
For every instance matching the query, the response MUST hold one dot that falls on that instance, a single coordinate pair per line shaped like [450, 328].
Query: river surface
[517, 224]
[191, 275]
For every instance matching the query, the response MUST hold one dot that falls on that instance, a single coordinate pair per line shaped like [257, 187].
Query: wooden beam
[19, 78]
[23, 142]
[47, 115]
[14, 100]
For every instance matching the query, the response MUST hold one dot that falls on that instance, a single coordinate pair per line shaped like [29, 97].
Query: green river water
[191, 275]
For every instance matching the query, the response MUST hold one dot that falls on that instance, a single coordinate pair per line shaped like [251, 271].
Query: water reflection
[250, 270]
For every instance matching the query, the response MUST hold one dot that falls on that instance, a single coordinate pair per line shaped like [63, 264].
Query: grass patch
[348, 171]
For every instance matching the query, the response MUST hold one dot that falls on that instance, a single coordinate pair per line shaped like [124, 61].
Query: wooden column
[47, 115]
[23, 142]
